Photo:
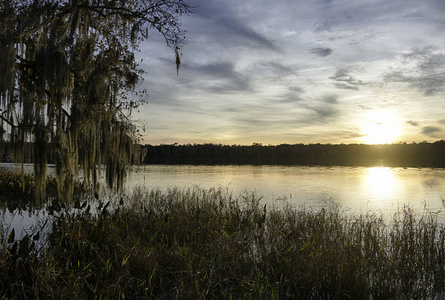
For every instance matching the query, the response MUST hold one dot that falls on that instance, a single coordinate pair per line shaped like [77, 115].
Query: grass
[206, 244]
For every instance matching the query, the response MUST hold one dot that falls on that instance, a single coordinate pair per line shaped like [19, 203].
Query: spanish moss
[68, 74]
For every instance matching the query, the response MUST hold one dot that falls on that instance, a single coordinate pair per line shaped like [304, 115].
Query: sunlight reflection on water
[381, 186]
[380, 182]
[358, 190]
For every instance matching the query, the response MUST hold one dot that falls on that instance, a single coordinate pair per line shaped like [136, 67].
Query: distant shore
[423, 154]
[396, 155]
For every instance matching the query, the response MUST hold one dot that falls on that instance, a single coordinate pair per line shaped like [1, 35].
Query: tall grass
[198, 244]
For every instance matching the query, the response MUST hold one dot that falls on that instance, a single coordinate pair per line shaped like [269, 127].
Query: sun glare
[380, 182]
[380, 127]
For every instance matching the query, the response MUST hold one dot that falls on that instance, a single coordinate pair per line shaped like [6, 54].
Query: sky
[299, 71]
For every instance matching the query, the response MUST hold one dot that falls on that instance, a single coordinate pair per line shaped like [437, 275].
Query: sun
[380, 127]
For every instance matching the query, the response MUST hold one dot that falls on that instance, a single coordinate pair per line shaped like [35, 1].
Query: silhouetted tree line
[422, 154]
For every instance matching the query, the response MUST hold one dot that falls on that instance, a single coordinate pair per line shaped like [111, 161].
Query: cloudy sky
[300, 71]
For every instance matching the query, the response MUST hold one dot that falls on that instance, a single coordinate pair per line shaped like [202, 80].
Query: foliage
[407, 155]
[17, 191]
[69, 74]
[196, 244]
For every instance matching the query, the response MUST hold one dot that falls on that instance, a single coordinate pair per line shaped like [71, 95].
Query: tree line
[422, 154]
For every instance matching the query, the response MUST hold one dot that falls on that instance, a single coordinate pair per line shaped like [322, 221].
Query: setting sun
[380, 127]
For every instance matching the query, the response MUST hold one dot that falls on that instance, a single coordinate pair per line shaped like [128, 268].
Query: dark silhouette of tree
[401, 154]
[68, 78]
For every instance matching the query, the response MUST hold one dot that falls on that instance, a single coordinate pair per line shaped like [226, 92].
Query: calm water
[357, 189]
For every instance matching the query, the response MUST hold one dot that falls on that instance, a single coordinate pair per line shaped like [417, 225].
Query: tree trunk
[65, 164]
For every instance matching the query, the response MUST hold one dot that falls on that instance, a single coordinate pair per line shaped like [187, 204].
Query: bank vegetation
[413, 154]
[206, 244]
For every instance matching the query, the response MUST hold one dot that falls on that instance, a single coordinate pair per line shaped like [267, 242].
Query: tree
[68, 80]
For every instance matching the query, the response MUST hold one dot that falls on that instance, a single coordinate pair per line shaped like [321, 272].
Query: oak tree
[68, 78]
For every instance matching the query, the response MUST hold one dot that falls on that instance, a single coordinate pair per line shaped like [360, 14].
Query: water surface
[358, 189]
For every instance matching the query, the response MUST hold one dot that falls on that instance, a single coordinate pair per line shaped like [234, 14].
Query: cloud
[257, 68]
[324, 112]
[330, 99]
[344, 80]
[426, 58]
[280, 115]
[431, 131]
[247, 34]
[219, 69]
[365, 107]
[290, 95]
[217, 77]
[428, 84]
[323, 52]
[423, 69]
[344, 86]
[268, 71]
[278, 68]
[231, 27]
[324, 107]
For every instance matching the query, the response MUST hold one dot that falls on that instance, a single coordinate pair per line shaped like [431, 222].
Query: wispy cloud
[344, 80]
[431, 131]
[247, 35]
[232, 28]
[423, 69]
[330, 99]
[323, 52]
[299, 71]
[218, 77]
[322, 109]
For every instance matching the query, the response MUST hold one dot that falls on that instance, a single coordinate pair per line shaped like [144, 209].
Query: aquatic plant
[198, 243]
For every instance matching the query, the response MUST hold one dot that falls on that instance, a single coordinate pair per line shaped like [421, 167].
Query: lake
[358, 190]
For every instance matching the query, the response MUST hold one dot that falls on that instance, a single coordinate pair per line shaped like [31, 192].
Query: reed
[198, 244]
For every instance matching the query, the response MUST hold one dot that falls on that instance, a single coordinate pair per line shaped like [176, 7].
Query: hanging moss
[67, 67]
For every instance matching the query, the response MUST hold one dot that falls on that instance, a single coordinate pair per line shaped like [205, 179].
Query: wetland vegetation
[198, 244]
[71, 80]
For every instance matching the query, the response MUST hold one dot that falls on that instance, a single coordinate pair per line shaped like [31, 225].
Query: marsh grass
[197, 244]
